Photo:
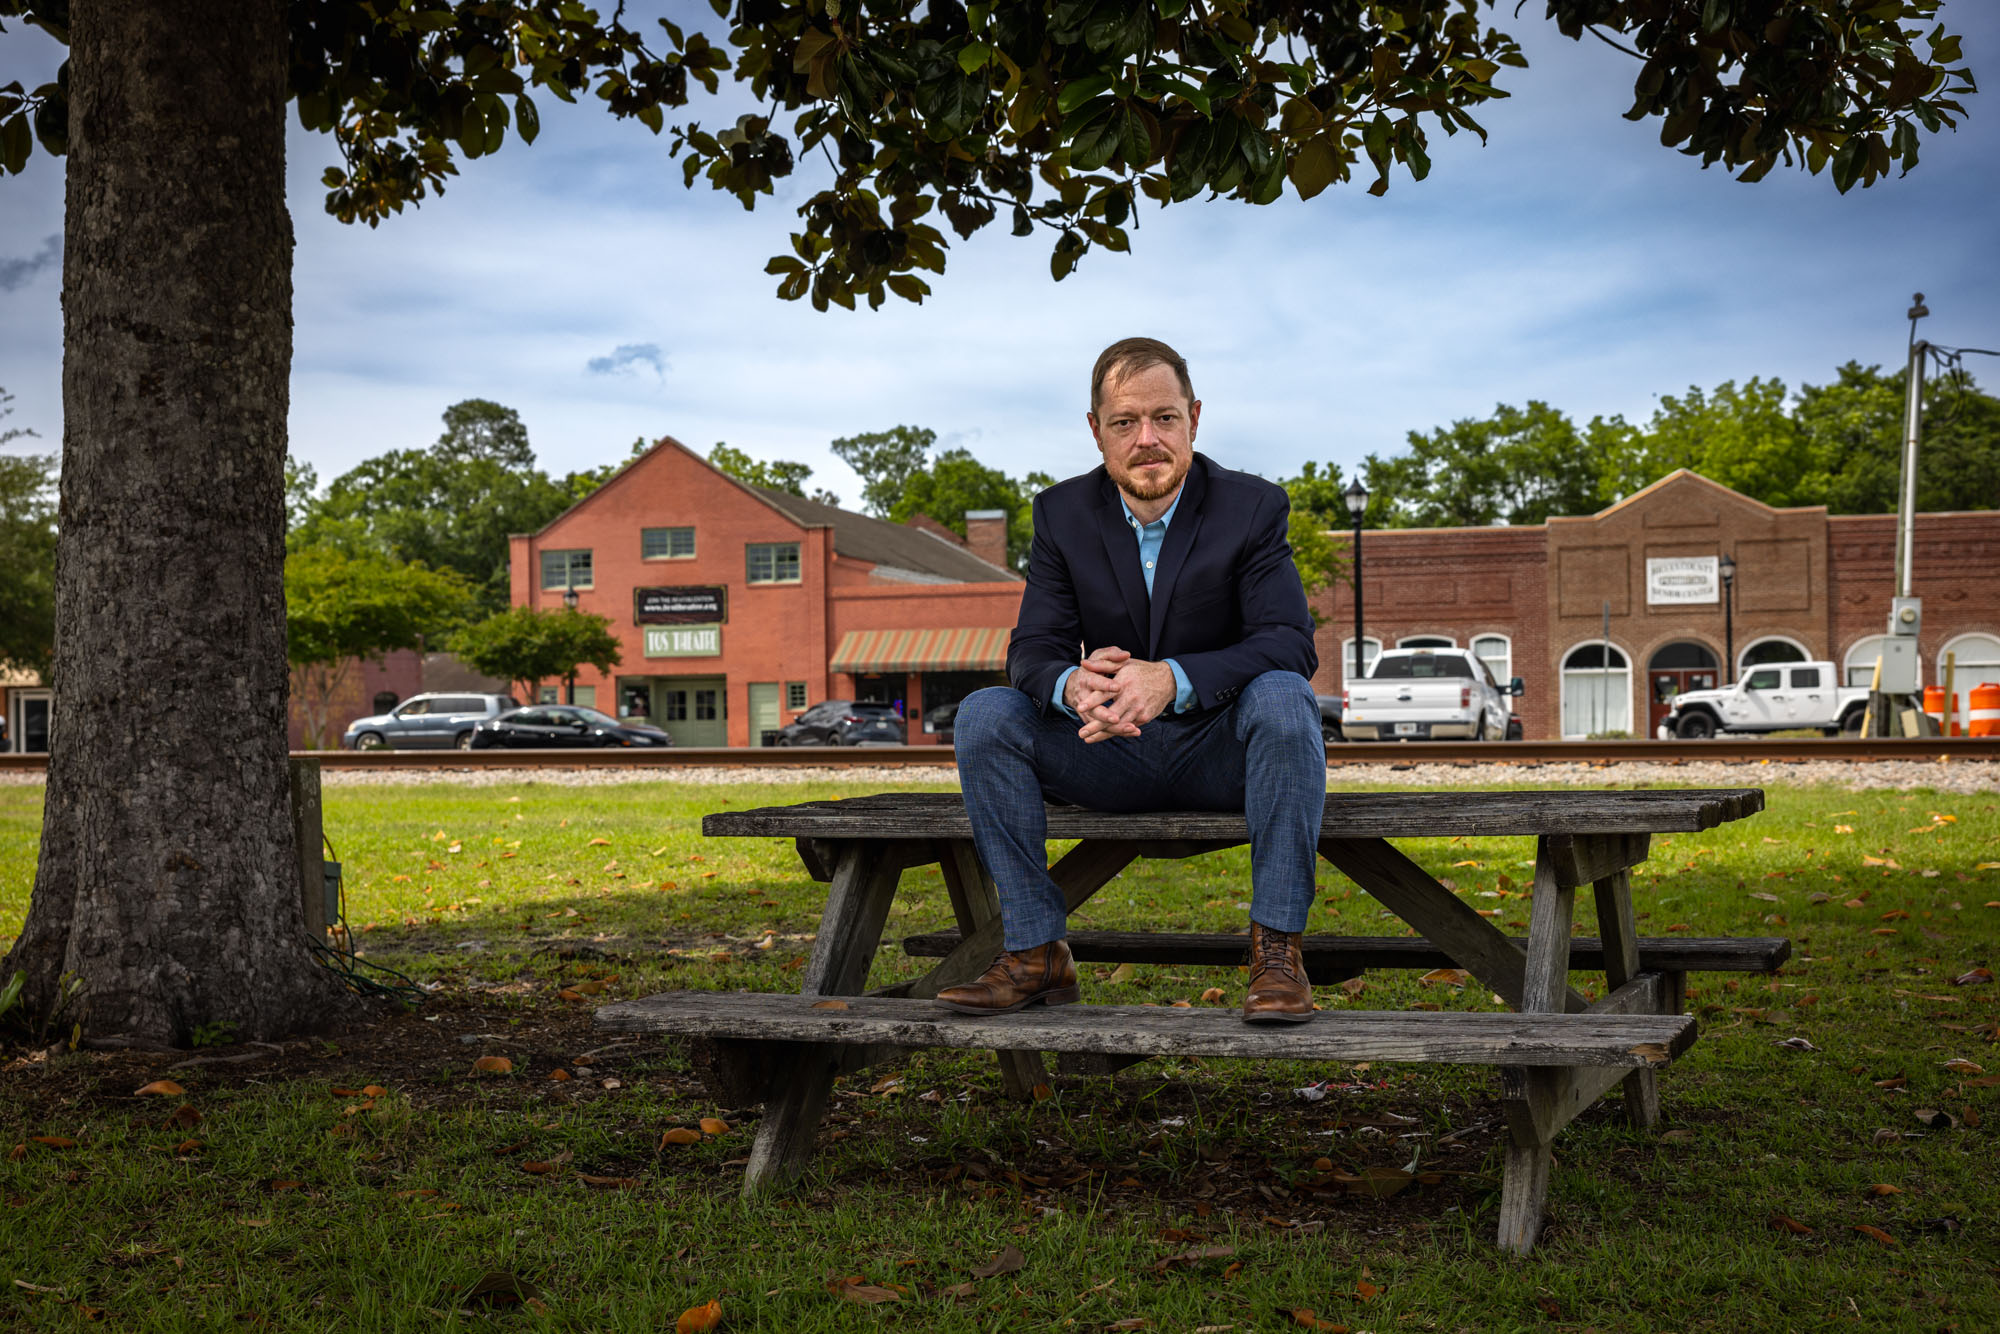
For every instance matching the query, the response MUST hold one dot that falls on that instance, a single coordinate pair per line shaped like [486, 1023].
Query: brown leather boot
[1044, 975]
[1279, 992]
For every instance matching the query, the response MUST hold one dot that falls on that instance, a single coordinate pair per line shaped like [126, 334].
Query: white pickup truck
[1415, 694]
[1770, 699]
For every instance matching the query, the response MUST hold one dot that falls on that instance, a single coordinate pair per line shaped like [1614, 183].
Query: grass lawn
[372, 1179]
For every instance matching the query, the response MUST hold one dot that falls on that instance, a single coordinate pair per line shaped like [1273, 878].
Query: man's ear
[1194, 419]
[1091, 419]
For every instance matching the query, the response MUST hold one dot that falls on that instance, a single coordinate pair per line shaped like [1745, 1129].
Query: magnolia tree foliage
[528, 645]
[1061, 115]
[341, 607]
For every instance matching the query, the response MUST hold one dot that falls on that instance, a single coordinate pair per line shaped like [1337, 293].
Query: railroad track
[1732, 750]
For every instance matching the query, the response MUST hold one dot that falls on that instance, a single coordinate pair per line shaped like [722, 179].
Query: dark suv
[842, 722]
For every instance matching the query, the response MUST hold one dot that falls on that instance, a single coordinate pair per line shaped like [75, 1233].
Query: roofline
[662, 443]
[1675, 475]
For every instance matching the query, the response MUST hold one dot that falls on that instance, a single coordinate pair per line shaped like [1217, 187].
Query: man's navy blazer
[1226, 603]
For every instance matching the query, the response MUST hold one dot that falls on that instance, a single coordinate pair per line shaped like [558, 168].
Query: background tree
[1743, 437]
[528, 645]
[341, 608]
[1853, 430]
[777, 474]
[177, 299]
[1518, 466]
[886, 461]
[954, 482]
[453, 505]
[27, 554]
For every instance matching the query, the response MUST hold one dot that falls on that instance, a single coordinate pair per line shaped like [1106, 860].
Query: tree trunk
[168, 883]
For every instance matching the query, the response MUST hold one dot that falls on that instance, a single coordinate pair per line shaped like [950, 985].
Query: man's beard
[1140, 489]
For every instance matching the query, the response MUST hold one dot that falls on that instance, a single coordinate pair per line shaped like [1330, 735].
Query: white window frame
[798, 556]
[1989, 668]
[1368, 658]
[1502, 679]
[1427, 641]
[569, 567]
[671, 554]
[1743, 654]
[1563, 670]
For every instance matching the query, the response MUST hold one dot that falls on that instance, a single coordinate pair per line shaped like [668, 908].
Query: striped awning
[970, 648]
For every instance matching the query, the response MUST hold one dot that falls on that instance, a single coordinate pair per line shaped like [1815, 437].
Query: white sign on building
[683, 641]
[1680, 580]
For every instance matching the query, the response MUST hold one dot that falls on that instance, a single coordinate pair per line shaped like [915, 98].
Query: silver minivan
[427, 722]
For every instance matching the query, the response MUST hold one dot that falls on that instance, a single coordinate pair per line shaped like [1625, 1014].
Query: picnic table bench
[1557, 1051]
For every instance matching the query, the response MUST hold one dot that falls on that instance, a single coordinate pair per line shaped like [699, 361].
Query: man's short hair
[1127, 355]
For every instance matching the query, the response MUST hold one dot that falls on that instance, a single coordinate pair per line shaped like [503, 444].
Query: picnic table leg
[865, 873]
[974, 902]
[1619, 931]
[1524, 1188]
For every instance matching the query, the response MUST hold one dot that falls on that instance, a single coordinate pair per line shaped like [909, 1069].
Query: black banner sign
[680, 606]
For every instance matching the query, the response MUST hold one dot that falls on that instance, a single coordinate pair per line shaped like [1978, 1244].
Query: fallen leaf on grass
[1214, 996]
[54, 1141]
[420, 1193]
[34, 1287]
[1451, 977]
[494, 1065]
[1960, 1066]
[1377, 1182]
[183, 1115]
[699, 1319]
[1884, 1188]
[868, 1294]
[1874, 1233]
[1007, 1261]
[608, 1183]
[1130, 1322]
[165, 1087]
[680, 1135]
[1193, 1255]
[1977, 977]
[1932, 1119]
[186, 1147]
[1122, 973]
[1354, 986]
[961, 1291]
[1306, 1316]
[1786, 1223]
[559, 1074]
[715, 1125]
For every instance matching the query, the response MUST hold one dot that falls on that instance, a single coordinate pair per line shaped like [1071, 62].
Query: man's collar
[1166, 519]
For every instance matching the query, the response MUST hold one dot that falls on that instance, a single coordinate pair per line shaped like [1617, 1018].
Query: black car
[1329, 719]
[942, 720]
[548, 726]
[842, 722]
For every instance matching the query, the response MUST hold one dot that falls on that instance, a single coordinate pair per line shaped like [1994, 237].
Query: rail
[1731, 750]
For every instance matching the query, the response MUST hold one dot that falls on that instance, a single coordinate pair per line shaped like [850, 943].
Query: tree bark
[168, 883]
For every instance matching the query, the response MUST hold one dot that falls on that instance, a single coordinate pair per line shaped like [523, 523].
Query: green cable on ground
[350, 965]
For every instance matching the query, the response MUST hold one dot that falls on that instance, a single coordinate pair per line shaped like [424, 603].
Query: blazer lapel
[1174, 551]
[1121, 548]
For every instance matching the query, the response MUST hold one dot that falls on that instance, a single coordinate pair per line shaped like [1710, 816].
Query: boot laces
[1273, 952]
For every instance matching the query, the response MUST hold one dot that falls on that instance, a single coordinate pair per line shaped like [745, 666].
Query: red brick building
[1606, 616]
[738, 607]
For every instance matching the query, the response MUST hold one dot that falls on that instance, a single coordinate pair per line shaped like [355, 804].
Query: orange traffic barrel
[1934, 706]
[1984, 716]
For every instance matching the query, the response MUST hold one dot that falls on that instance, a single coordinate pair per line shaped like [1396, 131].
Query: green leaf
[974, 56]
[1078, 91]
[1314, 167]
[785, 264]
[527, 119]
[16, 142]
[471, 131]
[1093, 137]
[909, 287]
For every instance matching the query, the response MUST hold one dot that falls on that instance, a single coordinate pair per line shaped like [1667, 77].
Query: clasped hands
[1115, 693]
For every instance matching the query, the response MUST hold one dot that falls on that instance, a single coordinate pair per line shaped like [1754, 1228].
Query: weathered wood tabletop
[1557, 1053]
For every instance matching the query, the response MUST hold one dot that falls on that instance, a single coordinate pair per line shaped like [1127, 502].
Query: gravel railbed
[1854, 775]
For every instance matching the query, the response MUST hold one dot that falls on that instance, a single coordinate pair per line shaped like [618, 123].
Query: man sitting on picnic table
[1175, 577]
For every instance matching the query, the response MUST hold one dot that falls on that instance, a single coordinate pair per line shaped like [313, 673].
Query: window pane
[1805, 678]
[795, 695]
[586, 696]
[1762, 681]
[677, 706]
[565, 569]
[1596, 702]
[759, 563]
[666, 543]
[704, 705]
[554, 565]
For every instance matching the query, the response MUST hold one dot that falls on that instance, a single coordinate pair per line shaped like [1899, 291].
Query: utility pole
[1899, 679]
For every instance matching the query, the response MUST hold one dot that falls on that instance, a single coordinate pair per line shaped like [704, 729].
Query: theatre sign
[1682, 581]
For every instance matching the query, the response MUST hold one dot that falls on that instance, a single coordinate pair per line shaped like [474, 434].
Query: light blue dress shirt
[1152, 536]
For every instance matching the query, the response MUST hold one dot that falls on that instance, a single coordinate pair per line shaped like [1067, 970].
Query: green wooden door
[693, 709]
[764, 716]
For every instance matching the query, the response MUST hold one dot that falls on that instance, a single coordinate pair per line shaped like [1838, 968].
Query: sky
[1571, 259]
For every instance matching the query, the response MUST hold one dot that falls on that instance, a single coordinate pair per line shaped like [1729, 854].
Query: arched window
[1497, 652]
[1975, 662]
[1683, 655]
[1596, 690]
[1371, 649]
[1427, 641]
[1859, 664]
[1770, 650]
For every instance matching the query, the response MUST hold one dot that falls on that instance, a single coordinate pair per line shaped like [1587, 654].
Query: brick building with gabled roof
[738, 607]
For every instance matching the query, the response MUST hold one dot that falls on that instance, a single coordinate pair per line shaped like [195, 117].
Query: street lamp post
[1356, 497]
[1728, 568]
[570, 600]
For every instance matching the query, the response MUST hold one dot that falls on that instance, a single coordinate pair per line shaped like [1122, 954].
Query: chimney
[986, 535]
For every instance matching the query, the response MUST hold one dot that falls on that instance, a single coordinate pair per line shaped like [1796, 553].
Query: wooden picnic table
[1557, 1051]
